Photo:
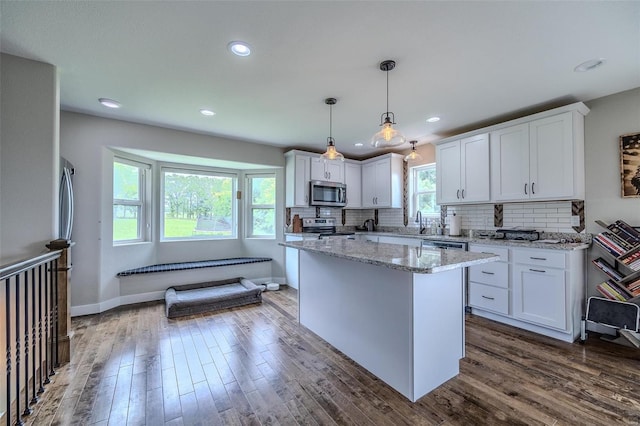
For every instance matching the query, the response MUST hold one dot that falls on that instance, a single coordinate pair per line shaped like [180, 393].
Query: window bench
[150, 282]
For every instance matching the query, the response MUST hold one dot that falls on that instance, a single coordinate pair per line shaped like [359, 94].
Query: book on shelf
[626, 231]
[608, 269]
[631, 260]
[615, 252]
[612, 290]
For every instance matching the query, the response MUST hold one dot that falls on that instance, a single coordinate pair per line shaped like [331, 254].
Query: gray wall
[88, 142]
[28, 156]
[610, 117]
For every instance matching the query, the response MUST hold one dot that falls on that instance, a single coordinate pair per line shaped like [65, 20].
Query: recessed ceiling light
[359, 144]
[433, 119]
[589, 65]
[239, 48]
[109, 103]
[207, 112]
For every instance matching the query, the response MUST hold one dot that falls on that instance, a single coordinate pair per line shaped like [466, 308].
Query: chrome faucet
[419, 222]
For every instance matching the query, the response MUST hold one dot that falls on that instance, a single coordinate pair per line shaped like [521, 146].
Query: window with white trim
[130, 211]
[198, 204]
[261, 205]
[423, 187]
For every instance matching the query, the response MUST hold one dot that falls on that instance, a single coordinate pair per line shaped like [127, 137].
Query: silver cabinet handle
[525, 189]
[458, 194]
[489, 298]
[533, 188]
[537, 270]
[537, 258]
[463, 194]
[488, 273]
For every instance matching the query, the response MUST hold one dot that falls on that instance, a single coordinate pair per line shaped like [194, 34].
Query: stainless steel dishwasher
[445, 244]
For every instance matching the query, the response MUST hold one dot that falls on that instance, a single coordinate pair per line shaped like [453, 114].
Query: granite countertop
[396, 256]
[550, 244]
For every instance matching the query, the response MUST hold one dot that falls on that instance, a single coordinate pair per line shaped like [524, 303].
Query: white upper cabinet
[329, 171]
[539, 160]
[353, 180]
[462, 171]
[510, 163]
[382, 182]
[297, 176]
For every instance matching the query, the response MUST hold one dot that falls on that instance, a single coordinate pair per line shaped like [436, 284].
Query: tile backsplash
[544, 216]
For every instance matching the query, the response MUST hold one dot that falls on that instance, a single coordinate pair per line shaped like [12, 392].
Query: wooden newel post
[65, 334]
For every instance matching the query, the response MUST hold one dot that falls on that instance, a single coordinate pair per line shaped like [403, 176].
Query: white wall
[610, 117]
[28, 156]
[87, 142]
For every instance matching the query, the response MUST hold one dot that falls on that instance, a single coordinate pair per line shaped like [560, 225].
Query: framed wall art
[630, 165]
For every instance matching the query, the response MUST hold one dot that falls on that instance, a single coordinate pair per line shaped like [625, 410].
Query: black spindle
[41, 282]
[55, 315]
[34, 399]
[18, 414]
[46, 324]
[27, 410]
[7, 297]
[52, 348]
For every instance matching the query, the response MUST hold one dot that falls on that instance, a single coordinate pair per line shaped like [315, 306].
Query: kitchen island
[396, 310]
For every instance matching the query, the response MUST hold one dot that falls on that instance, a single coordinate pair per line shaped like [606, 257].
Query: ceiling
[471, 63]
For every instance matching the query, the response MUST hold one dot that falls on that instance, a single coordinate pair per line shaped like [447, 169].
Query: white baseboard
[96, 308]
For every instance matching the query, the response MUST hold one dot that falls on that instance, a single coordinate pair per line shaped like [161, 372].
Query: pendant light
[413, 155]
[331, 153]
[387, 136]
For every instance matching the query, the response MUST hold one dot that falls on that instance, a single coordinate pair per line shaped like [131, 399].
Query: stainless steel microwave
[331, 194]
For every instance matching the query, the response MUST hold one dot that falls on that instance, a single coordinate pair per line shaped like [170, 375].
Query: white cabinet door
[474, 169]
[383, 183]
[329, 171]
[551, 157]
[368, 185]
[540, 295]
[353, 180]
[510, 163]
[297, 176]
[462, 170]
[448, 173]
[291, 262]
[317, 169]
[335, 171]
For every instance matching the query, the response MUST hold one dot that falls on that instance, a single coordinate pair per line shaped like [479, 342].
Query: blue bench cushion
[210, 296]
[180, 266]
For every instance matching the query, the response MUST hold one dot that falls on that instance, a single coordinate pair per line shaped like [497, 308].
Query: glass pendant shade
[413, 155]
[331, 153]
[387, 136]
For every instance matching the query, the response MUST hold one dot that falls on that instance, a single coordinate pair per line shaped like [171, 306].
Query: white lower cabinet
[291, 262]
[540, 295]
[535, 289]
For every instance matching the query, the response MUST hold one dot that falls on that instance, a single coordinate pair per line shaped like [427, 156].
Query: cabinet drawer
[489, 298]
[547, 258]
[503, 252]
[494, 273]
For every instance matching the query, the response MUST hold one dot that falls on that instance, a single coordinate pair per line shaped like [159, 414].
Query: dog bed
[210, 296]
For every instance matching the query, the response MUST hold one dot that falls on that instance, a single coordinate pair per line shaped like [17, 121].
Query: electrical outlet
[575, 220]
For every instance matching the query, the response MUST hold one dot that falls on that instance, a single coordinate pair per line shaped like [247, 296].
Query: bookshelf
[619, 306]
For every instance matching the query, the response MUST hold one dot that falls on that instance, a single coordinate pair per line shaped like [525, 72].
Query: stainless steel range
[326, 227]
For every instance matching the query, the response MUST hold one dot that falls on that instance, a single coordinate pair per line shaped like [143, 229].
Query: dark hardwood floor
[255, 365]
